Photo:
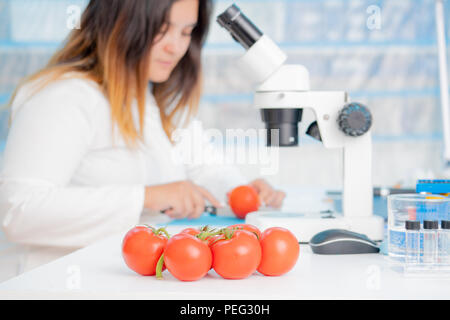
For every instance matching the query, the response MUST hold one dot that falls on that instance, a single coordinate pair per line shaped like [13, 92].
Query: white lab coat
[63, 185]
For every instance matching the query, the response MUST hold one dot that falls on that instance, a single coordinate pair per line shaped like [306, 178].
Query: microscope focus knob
[355, 119]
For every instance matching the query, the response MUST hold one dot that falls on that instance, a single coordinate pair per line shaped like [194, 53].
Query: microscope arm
[357, 198]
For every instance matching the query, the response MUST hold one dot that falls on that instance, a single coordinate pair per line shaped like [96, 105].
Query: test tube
[412, 242]
[430, 241]
[444, 243]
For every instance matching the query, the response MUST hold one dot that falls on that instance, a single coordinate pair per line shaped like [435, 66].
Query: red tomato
[280, 250]
[211, 241]
[142, 248]
[187, 258]
[236, 257]
[191, 231]
[248, 227]
[242, 200]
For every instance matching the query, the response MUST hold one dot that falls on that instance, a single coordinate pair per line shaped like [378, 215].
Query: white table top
[99, 272]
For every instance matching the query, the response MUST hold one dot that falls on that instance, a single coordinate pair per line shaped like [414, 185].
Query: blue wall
[392, 67]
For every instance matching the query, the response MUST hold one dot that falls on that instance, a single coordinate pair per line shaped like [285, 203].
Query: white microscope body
[285, 87]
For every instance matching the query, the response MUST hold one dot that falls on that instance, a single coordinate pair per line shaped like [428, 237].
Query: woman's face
[171, 44]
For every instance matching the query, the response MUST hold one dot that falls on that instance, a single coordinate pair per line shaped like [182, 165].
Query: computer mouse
[340, 241]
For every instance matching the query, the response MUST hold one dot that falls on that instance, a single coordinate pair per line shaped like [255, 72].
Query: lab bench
[99, 272]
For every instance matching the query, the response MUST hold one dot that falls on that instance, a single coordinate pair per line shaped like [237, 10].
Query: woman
[89, 144]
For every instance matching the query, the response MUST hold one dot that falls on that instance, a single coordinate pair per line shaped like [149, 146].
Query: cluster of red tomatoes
[234, 252]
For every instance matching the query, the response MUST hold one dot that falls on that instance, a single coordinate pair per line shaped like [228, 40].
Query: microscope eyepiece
[239, 26]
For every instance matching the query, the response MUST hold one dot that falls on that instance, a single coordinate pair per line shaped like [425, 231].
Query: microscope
[283, 93]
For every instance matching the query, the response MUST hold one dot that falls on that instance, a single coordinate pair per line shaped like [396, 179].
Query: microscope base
[306, 225]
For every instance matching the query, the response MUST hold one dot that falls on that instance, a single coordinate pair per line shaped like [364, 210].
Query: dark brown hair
[112, 47]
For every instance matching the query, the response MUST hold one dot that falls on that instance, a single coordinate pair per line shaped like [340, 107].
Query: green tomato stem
[163, 230]
[150, 227]
[205, 234]
[159, 267]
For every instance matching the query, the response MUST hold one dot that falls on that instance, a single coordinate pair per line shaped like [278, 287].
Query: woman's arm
[181, 199]
[47, 140]
[41, 213]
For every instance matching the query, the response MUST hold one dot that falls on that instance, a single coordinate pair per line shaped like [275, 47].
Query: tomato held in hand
[142, 247]
[187, 258]
[236, 255]
[242, 200]
[280, 251]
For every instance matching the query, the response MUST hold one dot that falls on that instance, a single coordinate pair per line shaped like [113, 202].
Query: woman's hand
[269, 196]
[179, 199]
